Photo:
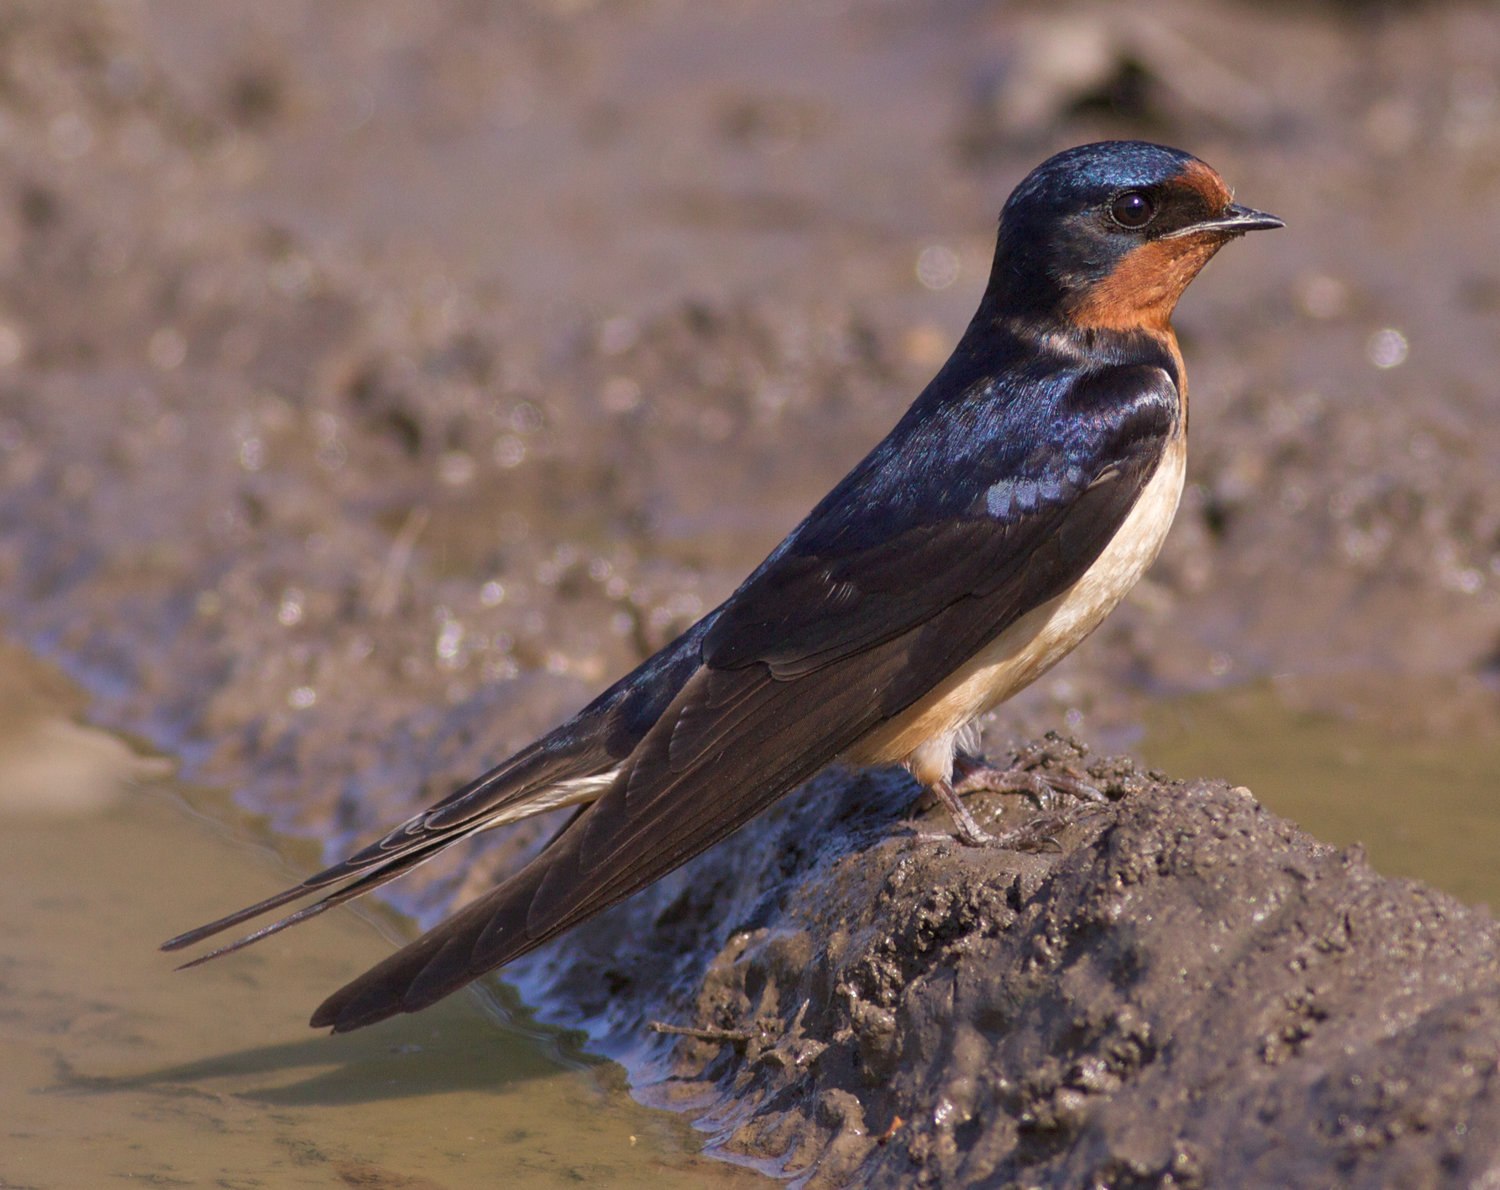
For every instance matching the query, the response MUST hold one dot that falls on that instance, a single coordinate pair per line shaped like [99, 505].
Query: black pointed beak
[1235, 220]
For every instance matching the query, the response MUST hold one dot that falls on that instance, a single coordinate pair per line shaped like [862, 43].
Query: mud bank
[1187, 991]
[377, 382]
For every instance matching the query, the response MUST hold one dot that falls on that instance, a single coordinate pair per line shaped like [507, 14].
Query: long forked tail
[529, 783]
[396, 865]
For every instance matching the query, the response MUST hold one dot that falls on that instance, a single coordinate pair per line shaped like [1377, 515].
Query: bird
[1012, 506]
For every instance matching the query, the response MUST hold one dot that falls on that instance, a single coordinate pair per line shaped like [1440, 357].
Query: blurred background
[379, 380]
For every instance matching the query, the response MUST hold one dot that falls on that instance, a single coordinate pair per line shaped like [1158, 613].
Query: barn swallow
[1011, 508]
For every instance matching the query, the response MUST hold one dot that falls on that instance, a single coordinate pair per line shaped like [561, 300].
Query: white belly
[1035, 642]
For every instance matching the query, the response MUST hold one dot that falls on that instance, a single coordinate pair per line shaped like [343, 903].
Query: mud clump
[1185, 991]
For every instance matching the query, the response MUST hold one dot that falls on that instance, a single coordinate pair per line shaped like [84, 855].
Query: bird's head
[1108, 235]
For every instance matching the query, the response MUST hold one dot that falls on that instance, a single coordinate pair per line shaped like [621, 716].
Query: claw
[965, 829]
[974, 775]
[980, 777]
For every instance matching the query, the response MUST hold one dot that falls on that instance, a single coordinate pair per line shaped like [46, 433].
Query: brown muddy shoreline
[376, 384]
[1188, 992]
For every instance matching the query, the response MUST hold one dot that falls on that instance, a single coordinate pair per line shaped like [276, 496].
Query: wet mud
[1188, 991]
[377, 381]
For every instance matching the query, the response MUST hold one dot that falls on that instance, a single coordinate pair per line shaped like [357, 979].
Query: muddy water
[1422, 807]
[115, 1067]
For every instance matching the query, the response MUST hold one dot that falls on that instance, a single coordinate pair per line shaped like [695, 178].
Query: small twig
[731, 1036]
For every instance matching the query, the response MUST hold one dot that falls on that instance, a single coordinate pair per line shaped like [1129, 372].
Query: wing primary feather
[612, 852]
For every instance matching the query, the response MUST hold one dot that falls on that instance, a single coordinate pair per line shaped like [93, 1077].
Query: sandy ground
[378, 380]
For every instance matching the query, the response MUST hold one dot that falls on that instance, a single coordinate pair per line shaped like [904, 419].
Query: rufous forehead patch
[1206, 181]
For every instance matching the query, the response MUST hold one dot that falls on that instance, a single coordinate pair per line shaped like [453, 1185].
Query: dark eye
[1132, 209]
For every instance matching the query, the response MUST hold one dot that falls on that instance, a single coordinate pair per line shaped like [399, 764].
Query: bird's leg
[948, 776]
[1036, 833]
[965, 829]
[974, 775]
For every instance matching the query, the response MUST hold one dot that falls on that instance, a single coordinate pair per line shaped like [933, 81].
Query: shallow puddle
[1422, 807]
[116, 1067]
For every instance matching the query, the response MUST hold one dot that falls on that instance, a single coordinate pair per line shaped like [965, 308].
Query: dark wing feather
[738, 736]
[947, 507]
[651, 821]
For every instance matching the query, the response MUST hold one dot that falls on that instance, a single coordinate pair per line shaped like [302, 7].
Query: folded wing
[814, 652]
